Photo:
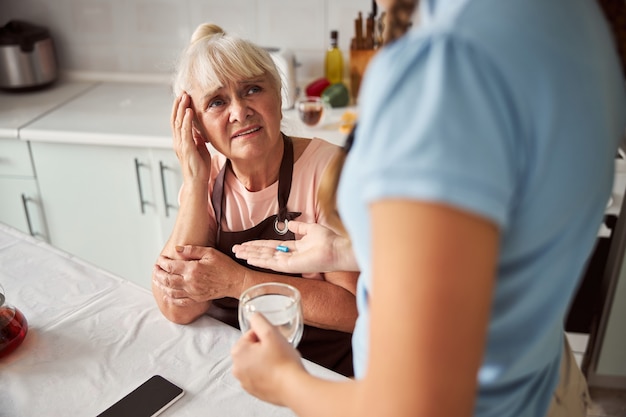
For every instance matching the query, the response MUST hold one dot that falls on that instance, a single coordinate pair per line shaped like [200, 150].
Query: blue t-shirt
[512, 110]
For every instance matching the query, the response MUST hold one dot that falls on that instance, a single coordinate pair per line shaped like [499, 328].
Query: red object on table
[315, 88]
[13, 329]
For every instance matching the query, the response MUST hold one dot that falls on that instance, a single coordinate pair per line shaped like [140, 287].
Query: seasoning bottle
[334, 60]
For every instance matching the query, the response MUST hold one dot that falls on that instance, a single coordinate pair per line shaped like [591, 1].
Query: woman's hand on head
[188, 142]
[319, 250]
[263, 359]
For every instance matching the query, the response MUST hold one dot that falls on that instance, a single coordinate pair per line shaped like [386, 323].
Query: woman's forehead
[208, 88]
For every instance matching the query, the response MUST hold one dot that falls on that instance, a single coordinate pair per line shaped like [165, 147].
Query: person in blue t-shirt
[472, 195]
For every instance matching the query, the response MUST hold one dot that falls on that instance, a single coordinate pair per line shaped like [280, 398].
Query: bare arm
[191, 226]
[433, 279]
[328, 304]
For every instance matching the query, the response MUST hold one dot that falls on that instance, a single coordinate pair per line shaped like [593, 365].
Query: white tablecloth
[93, 337]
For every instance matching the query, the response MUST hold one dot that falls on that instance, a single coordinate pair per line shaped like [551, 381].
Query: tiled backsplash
[145, 36]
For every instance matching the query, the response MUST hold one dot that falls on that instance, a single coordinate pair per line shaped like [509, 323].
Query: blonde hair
[327, 190]
[213, 58]
[398, 19]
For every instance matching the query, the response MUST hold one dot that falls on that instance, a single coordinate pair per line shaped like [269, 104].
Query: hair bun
[206, 30]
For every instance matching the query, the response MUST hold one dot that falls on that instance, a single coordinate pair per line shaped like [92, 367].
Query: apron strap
[284, 179]
[284, 189]
[216, 197]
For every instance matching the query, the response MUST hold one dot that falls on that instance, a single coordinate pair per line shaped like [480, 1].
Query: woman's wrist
[243, 281]
[345, 260]
[289, 387]
[194, 189]
[195, 182]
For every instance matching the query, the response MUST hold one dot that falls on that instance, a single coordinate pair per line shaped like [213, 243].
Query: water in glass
[279, 303]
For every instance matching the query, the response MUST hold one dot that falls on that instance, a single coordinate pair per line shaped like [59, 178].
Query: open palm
[319, 250]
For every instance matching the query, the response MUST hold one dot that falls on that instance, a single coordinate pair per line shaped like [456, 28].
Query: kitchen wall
[145, 36]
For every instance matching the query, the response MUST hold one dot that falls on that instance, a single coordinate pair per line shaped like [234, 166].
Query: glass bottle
[334, 60]
[13, 326]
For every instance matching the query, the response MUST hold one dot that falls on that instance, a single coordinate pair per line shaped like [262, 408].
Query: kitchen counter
[18, 109]
[125, 114]
[328, 129]
[116, 114]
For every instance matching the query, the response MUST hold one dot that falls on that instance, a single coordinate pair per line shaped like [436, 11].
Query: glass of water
[279, 303]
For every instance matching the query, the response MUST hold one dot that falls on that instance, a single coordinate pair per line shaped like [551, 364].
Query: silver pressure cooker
[27, 56]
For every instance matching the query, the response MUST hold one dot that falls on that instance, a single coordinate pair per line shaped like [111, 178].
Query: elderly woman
[228, 94]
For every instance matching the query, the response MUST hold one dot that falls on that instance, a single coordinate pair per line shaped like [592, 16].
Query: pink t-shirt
[244, 209]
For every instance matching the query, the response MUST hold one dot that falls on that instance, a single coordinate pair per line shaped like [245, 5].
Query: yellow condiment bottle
[334, 60]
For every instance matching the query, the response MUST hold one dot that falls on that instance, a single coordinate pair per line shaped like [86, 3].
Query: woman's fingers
[167, 280]
[264, 243]
[299, 228]
[179, 111]
[267, 258]
[174, 110]
[262, 249]
[263, 328]
[186, 130]
[181, 104]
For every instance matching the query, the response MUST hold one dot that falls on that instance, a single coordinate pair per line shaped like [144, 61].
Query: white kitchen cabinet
[21, 206]
[105, 204]
[167, 183]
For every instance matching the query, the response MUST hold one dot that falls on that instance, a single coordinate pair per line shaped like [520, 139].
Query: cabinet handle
[142, 202]
[27, 214]
[168, 206]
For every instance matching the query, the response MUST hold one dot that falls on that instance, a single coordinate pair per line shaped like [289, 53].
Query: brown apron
[329, 348]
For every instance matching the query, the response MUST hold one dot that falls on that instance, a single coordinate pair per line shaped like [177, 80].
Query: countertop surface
[110, 113]
[18, 109]
[116, 113]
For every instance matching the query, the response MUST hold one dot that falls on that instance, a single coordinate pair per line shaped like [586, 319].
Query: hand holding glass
[279, 303]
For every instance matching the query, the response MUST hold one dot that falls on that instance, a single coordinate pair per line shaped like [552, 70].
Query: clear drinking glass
[279, 303]
[311, 110]
[13, 326]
